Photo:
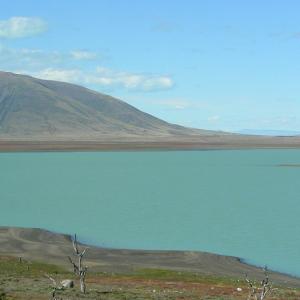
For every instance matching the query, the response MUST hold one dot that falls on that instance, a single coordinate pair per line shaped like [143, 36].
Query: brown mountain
[32, 108]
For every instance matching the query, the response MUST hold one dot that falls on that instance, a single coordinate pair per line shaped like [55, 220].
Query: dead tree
[55, 288]
[265, 288]
[78, 268]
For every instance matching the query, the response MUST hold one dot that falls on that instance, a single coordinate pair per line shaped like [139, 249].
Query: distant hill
[270, 132]
[33, 108]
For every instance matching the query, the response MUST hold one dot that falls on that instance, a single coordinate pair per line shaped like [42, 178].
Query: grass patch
[13, 267]
[170, 275]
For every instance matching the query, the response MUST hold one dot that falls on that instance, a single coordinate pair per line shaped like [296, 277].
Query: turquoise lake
[233, 202]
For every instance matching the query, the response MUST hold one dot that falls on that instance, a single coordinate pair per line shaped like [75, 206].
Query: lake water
[234, 202]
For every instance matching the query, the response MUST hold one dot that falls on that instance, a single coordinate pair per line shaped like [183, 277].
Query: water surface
[234, 202]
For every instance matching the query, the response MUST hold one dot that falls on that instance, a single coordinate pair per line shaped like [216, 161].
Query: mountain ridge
[36, 108]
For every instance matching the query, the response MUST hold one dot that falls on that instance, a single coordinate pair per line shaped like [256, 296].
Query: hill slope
[44, 246]
[33, 108]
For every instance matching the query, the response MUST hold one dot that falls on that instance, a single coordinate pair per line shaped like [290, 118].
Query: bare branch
[55, 288]
[75, 267]
[83, 252]
[75, 245]
[79, 270]
[259, 293]
[51, 279]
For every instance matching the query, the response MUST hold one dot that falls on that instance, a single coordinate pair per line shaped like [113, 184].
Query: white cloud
[105, 78]
[55, 65]
[11, 58]
[83, 55]
[161, 82]
[58, 74]
[33, 59]
[19, 27]
[131, 81]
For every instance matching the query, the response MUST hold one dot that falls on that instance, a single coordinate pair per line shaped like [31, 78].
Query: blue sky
[225, 64]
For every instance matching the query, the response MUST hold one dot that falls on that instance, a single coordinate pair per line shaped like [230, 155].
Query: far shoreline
[190, 143]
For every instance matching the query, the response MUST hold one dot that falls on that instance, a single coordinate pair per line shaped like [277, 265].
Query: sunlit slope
[31, 107]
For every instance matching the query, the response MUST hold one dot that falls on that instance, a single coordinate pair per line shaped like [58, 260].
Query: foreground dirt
[26, 280]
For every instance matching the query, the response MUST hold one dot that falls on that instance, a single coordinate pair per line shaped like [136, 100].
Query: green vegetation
[161, 274]
[11, 266]
[26, 280]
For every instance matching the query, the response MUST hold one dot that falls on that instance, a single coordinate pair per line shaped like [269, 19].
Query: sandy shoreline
[158, 143]
[44, 246]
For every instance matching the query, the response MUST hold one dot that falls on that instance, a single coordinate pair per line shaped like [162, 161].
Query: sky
[214, 64]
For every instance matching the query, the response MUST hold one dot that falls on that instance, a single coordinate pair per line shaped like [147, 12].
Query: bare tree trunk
[82, 285]
[79, 270]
